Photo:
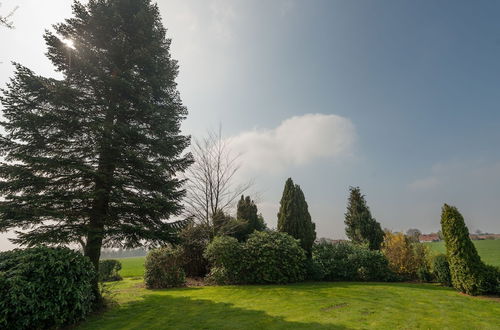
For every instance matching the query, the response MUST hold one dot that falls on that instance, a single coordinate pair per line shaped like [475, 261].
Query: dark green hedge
[441, 269]
[44, 287]
[266, 257]
[345, 261]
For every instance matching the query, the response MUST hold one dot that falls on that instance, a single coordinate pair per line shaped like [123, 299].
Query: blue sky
[399, 97]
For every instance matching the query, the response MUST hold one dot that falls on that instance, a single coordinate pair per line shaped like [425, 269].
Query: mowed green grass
[338, 305]
[489, 250]
[321, 305]
[132, 267]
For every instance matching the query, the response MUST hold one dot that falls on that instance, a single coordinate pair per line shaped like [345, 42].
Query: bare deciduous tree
[211, 186]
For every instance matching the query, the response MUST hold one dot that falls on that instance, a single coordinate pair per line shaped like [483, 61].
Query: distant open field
[132, 267]
[489, 250]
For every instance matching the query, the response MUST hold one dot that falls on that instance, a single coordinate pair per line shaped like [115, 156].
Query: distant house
[433, 237]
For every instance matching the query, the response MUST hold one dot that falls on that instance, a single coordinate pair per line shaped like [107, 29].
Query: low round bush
[441, 269]
[44, 287]
[228, 260]
[273, 257]
[266, 257]
[164, 268]
[345, 261]
[108, 270]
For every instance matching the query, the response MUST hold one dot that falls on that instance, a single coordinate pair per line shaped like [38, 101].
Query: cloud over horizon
[297, 141]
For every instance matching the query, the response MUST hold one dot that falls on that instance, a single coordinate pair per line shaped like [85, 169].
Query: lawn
[132, 267]
[338, 305]
[489, 250]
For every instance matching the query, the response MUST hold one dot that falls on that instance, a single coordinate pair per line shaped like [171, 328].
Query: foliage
[224, 224]
[266, 257]
[164, 268]
[227, 258]
[273, 257]
[247, 211]
[407, 258]
[108, 270]
[345, 261]
[194, 240]
[294, 217]
[44, 287]
[441, 269]
[93, 157]
[468, 273]
[361, 227]
[413, 234]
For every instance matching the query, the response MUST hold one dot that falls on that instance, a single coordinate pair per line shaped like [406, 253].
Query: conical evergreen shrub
[468, 273]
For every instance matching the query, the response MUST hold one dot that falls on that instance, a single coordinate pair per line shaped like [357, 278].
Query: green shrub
[226, 255]
[273, 257]
[108, 270]
[44, 287]
[164, 268]
[408, 259]
[194, 240]
[345, 261]
[441, 269]
[468, 273]
[266, 257]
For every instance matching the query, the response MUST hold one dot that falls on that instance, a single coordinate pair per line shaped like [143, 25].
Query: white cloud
[296, 141]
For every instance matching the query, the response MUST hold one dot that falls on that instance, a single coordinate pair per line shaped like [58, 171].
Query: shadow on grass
[167, 312]
[305, 286]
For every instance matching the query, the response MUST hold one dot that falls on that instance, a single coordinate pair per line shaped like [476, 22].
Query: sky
[400, 98]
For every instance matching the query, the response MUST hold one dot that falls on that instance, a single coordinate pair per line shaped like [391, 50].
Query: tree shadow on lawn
[166, 312]
[306, 286]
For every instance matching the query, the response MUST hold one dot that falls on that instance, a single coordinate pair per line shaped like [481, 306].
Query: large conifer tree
[294, 217]
[361, 227]
[93, 157]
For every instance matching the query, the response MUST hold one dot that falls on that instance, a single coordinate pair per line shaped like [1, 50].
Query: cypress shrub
[44, 287]
[294, 218]
[468, 273]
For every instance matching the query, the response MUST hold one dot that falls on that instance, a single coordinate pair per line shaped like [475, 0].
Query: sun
[69, 43]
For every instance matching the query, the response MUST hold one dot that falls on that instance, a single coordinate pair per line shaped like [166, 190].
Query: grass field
[489, 250]
[338, 305]
[132, 267]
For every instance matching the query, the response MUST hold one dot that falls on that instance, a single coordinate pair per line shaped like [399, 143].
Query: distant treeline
[123, 253]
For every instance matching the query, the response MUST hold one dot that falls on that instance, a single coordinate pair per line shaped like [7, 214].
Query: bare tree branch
[5, 20]
[211, 186]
